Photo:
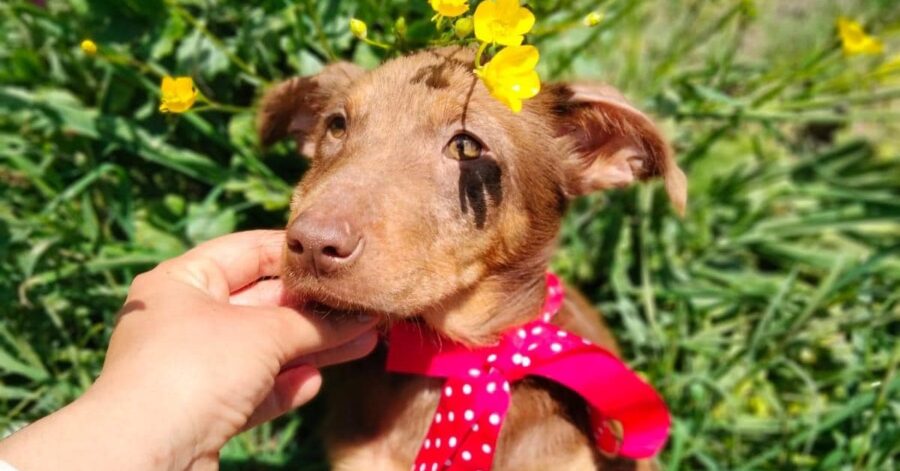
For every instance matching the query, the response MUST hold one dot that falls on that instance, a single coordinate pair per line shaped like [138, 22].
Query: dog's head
[428, 197]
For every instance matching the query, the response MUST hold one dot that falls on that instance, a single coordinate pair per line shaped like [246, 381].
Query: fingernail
[363, 339]
[364, 343]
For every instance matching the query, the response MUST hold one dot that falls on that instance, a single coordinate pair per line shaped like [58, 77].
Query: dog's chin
[324, 304]
[337, 300]
[317, 298]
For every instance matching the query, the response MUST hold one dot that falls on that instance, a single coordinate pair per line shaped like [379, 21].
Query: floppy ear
[612, 144]
[292, 107]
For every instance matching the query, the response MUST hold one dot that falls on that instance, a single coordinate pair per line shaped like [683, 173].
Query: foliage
[768, 317]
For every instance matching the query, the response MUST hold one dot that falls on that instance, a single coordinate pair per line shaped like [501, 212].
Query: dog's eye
[337, 126]
[464, 147]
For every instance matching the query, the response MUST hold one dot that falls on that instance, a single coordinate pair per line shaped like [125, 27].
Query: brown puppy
[428, 198]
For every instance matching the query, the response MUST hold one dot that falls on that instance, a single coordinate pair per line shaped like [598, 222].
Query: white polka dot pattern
[476, 393]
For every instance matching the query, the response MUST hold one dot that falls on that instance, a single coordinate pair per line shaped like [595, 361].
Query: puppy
[429, 201]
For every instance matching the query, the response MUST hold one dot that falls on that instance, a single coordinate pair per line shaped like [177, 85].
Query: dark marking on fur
[434, 76]
[479, 183]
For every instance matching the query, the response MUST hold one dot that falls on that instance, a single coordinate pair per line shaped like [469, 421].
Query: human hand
[202, 351]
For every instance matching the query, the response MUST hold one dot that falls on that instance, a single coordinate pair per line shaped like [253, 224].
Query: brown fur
[463, 245]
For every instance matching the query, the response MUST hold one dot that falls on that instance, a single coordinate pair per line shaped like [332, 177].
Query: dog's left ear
[611, 144]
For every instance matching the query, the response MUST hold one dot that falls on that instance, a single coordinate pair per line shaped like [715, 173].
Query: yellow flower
[358, 28]
[504, 22]
[178, 94]
[510, 75]
[855, 40]
[592, 19]
[89, 47]
[450, 8]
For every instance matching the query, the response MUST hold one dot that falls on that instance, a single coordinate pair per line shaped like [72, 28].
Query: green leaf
[207, 221]
[172, 33]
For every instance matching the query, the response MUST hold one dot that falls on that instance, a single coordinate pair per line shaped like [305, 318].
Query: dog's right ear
[292, 107]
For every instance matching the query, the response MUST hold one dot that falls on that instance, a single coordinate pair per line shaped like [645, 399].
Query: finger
[293, 388]
[261, 293]
[224, 265]
[293, 334]
[352, 350]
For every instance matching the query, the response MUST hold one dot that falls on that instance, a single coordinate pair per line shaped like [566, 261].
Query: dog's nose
[323, 244]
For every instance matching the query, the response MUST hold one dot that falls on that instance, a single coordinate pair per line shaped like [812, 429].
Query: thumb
[293, 387]
[293, 334]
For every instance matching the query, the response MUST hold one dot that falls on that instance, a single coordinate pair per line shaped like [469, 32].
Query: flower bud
[463, 27]
[592, 19]
[89, 47]
[358, 28]
[400, 27]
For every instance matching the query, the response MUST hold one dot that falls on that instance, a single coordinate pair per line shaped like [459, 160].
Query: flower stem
[378, 44]
[220, 107]
[559, 28]
[117, 58]
[212, 105]
[478, 55]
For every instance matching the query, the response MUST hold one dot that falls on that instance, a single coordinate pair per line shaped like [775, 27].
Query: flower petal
[507, 8]
[514, 104]
[517, 59]
[530, 85]
[509, 39]
[523, 21]
[485, 15]
[168, 85]
[184, 87]
[450, 8]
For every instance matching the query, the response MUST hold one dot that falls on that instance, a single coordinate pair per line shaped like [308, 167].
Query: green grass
[768, 317]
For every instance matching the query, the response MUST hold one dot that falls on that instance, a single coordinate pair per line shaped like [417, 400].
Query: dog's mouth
[334, 309]
[325, 310]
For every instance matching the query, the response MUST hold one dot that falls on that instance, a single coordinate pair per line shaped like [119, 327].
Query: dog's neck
[492, 306]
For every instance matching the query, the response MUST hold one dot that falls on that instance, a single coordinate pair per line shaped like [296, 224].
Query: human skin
[201, 352]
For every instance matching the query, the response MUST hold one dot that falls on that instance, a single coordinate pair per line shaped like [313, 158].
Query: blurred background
[768, 317]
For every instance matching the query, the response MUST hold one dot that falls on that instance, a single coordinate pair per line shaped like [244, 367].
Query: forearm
[93, 433]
